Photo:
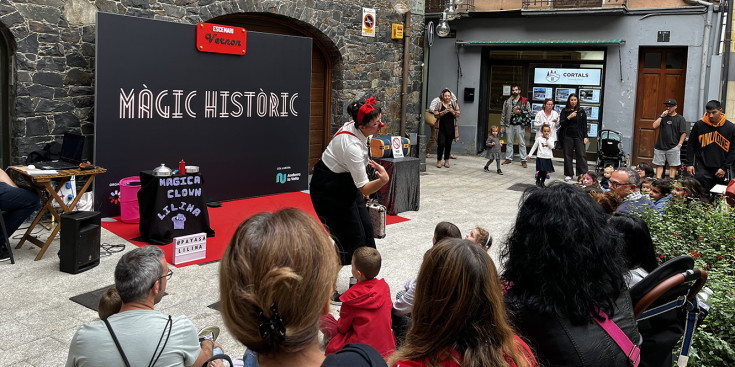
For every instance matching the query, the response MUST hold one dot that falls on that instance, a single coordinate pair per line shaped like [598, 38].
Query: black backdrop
[146, 69]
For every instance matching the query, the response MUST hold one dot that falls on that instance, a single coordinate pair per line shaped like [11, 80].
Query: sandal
[446, 164]
[438, 164]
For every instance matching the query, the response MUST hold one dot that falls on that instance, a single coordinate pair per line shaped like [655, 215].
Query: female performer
[574, 125]
[340, 182]
[446, 114]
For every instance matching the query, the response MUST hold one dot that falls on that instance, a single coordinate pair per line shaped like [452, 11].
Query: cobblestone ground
[39, 320]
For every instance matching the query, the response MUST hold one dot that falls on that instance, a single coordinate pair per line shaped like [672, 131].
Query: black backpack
[51, 151]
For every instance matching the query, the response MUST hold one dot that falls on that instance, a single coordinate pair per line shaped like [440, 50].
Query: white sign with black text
[189, 248]
[567, 76]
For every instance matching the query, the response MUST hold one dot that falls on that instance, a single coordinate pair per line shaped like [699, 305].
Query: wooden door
[661, 75]
[321, 71]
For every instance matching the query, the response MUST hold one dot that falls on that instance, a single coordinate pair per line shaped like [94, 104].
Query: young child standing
[492, 147]
[365, 316]
[544, 144]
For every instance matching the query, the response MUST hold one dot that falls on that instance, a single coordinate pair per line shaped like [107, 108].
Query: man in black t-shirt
[672, 132]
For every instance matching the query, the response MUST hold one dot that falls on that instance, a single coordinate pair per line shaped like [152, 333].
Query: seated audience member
[141, 276]
[608, 200]
[17, 203]
[690, 189]
[627, 184]
[109, 304]
[481, 237]
[459, 318]
[660, 193]
[646, 186]
[645, 170]
[404, 299]
[589, 182]
[605, 181]
[560, 275]
[276, 278]
[365, 315]
[640, 253]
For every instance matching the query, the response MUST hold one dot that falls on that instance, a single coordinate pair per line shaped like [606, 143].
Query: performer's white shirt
[347, 153]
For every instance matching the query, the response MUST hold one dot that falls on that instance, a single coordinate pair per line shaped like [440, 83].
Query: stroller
[667, 306]
[610, 150]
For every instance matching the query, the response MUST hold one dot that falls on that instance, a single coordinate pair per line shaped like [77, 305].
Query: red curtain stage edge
[225, 219]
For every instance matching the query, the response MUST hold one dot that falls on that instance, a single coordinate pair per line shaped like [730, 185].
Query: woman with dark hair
[458, 317]
[640, 253]
[340, 182]
[574, 137]
[645, 170]
[563, 265]
[446, 114]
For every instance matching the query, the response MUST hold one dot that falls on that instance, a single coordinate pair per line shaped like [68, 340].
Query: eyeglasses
[614, 184]
[167, 276]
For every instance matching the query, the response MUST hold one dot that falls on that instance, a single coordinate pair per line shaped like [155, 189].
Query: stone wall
[53, 43]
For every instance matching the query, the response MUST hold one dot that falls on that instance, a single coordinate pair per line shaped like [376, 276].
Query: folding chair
[666, 308]
[5, 237]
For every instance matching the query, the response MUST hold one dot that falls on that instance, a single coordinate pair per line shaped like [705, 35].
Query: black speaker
[80, 241]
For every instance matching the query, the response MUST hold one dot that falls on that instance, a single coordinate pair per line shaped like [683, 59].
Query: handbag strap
[117, 343]
[611, 328]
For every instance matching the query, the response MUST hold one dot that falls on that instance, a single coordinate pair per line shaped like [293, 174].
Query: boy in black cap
[672, 132]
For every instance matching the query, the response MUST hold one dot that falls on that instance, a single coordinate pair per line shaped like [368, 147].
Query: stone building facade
[48, 59]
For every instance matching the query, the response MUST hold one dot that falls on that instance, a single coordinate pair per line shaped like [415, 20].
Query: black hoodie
[711, 145]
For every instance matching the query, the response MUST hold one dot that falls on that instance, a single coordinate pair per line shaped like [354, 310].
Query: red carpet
[225, 219]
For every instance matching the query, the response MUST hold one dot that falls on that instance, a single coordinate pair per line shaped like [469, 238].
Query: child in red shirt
[366, 306]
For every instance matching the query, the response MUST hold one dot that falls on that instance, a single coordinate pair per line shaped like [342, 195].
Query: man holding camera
[672, 132]
[516, 112]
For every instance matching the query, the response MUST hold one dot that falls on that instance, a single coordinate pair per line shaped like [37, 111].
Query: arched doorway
[321, 71]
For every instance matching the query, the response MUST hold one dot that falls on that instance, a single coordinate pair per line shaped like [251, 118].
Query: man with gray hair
[138, 335]
[626, 183]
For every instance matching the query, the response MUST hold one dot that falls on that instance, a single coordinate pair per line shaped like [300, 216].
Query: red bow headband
[365, 109]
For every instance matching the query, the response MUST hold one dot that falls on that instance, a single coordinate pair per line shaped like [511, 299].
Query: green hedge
[707, 234]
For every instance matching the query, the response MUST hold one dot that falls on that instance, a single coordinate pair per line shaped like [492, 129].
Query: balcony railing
[571, 4]
[438, 6]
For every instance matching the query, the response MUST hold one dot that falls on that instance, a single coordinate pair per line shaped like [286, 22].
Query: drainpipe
[705, 47]
[726, 57]
[406, 65]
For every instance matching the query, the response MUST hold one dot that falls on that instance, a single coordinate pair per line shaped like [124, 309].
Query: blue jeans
[18, 204]
[250, 359]
[512, 131]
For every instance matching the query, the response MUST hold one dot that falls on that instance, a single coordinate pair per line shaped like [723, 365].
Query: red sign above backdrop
[222, 39]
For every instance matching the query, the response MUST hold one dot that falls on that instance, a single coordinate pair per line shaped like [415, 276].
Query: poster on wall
[562, 94]
[541, 93]
[592, 112]
[592, 130]
[242, 119]
[368, 22]
[558, 108]
[564, 76]
[589, 95]
[536, 108]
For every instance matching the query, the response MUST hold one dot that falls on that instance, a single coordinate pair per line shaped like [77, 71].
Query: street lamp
[442, 29]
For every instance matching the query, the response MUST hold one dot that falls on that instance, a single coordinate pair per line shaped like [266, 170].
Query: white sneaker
[568, 178]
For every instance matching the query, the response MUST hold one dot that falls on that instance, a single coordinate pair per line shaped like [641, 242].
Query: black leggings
[443, 145]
